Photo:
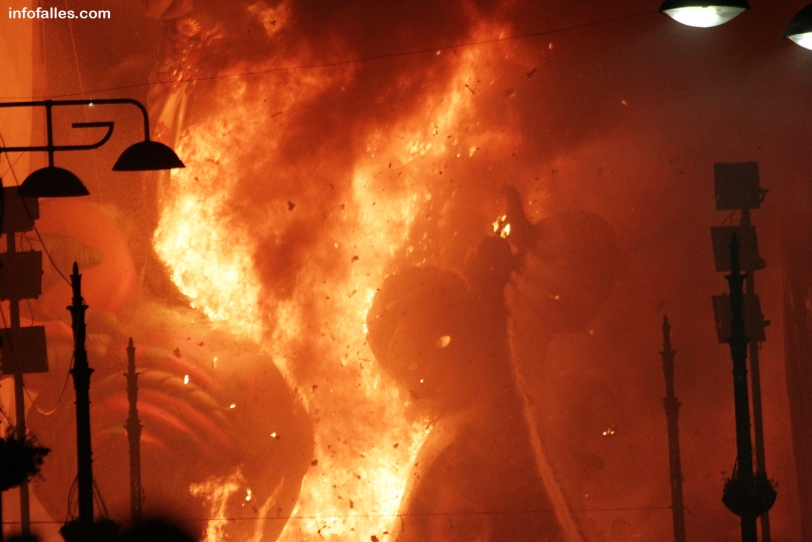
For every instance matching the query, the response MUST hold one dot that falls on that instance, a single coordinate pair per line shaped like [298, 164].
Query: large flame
[365, 439]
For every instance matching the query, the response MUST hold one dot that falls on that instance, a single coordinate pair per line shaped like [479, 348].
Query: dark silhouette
[447, 344]
[672, 404]
[23, 348]
[81, 382]
[737, 188]
[157, 530]
[476, 474]
[134, 437]
[87, 527]
[747, 494]
[100, 529]
[20, 460]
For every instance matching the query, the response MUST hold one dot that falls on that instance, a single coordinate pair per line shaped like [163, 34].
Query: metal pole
[672, 404]
[19, 398]
[755, 385]
[81, 383]
[133, 428]
[738, 351]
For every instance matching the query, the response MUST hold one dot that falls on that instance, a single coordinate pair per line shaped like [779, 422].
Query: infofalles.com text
[56, 13]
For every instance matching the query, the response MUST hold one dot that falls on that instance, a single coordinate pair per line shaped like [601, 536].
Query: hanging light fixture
[800, 28]
[703, 13]
[147, 155]
[56, 182]
[52, 182]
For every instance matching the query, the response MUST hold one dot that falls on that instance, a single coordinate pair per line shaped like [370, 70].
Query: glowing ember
[443, 341]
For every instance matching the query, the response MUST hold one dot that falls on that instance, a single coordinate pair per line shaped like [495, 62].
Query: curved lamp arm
[51, 148]
[50, 104]
[143, 156]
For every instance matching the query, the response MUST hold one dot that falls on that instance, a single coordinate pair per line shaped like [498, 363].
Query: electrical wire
[30, 311]
[61, 393]
[22, 237]
[396, 516]
[10, 345]
[45, 249]
[348, 61]
[10, 163]
[17, 369]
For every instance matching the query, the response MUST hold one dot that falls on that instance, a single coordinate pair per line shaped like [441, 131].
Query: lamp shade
[52, 182]
[800, 28]
[703, 13]
[147, 156]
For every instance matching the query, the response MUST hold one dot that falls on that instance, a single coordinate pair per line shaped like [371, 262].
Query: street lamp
[800, 28]
[748, 493]
[56, 182]
[23, 270]
[703, 13]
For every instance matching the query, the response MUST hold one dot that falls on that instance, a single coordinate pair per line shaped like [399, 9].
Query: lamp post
[52, 181]
[23, 348]
[133, 428]
[743, 472]
[81, 383]
[737, 189]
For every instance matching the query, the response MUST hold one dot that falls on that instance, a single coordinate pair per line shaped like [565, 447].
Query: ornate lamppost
[53, 181]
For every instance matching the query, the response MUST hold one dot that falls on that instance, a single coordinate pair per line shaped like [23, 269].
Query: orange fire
[216, 492]
[366, 439]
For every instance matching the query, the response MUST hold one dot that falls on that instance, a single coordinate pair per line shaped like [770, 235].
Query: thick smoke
[329, 173]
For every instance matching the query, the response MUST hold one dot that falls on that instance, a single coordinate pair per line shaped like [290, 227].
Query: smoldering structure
[448, 344]
[394, 298]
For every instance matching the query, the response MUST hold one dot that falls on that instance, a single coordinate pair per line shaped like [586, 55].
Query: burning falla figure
[455, 346]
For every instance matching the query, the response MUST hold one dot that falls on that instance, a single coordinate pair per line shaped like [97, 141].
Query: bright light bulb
[804, 40]
[703, 16]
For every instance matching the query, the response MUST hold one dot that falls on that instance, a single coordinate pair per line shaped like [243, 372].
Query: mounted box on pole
[23, 349]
